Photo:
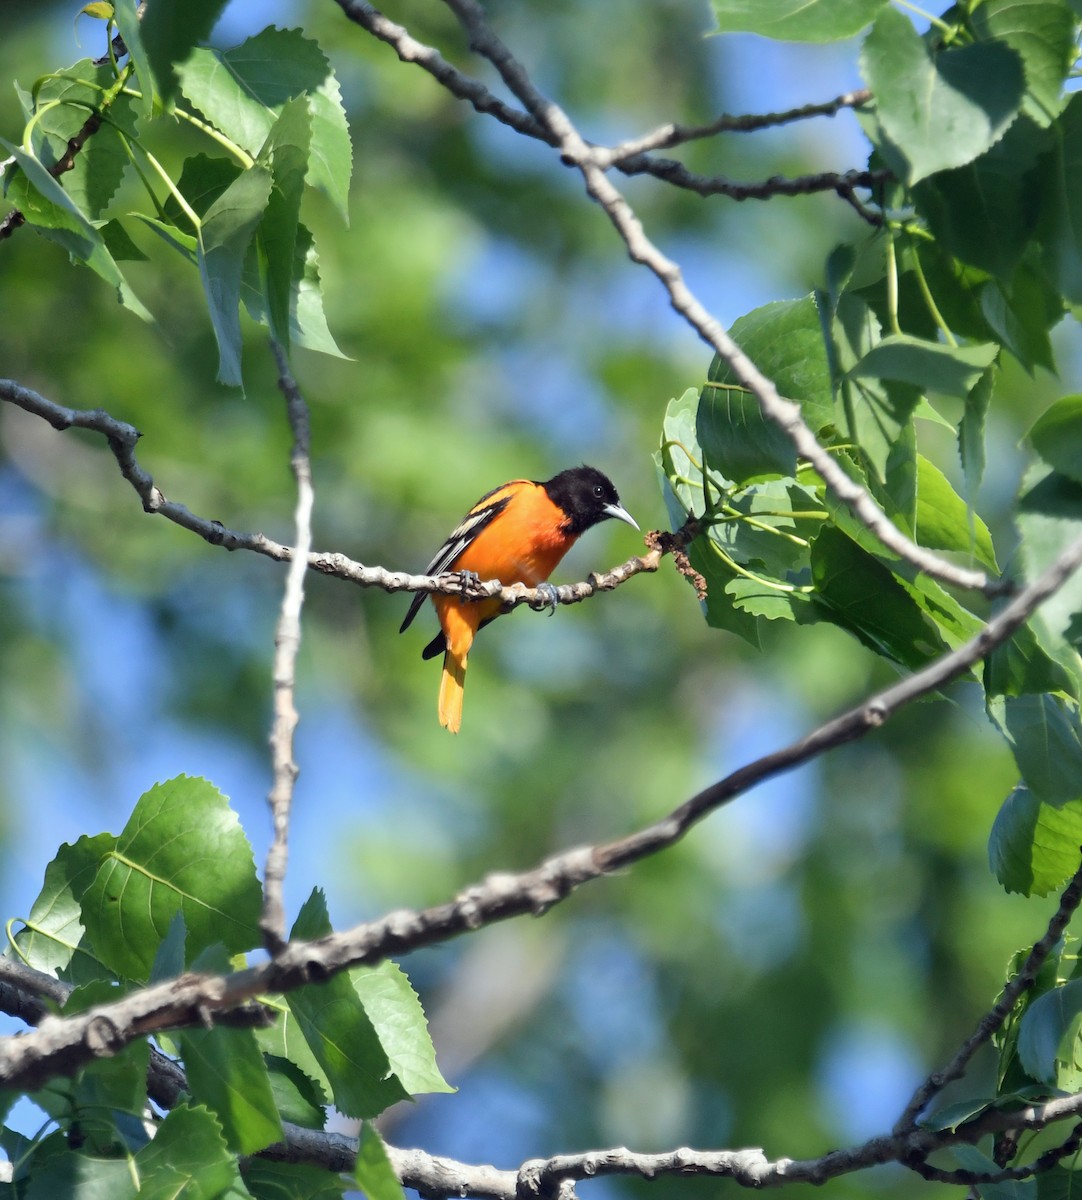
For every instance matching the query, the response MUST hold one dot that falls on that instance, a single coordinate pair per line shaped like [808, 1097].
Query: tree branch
[122, 439]
[287, 641]
[60, 1046]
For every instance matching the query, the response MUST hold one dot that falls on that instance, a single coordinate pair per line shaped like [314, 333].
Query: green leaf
[63, 103]
[720, 610]
[1042, 32]
[187, 1160]
[399, 1020]
[944, 522]
[242, 91]
[203, 179]
[1049, 518]
[739, 443]
[937, 111]
[182, 850]
[339, 1032]
[997, 190]
[862, 596]
[109, 1098]
[130, 28]
[285, 1040]
[226, 230]
[971, 432]
[286, 153]
[932, 367]
[1021, 314]
[170, 958]
[98, 8]
[227, 1073]
[785, 341]
[374, 1174]
[1048, 1038]
[1060, 189]
[52, 938]
[796, 20]
[268, 1180]
[1021, 665]
[80, 1177]
[119, 243]
[52, 211]
[679, 458]
[296, 1095]
[1056, 435]
[969, 1158]
[170, 32]
[1045, 735]
[770, 539]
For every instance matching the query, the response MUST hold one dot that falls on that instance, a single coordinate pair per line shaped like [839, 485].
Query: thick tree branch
[60, 1046]
[287, 642]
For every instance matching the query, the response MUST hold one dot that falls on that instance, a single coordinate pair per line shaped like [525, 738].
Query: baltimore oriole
[517, 533]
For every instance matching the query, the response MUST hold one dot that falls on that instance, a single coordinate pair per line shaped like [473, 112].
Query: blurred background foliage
[782, 978]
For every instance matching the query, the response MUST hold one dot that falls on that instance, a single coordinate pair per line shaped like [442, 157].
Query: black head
[587, 496]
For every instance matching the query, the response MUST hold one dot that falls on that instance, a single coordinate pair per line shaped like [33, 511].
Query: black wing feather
[478, 518]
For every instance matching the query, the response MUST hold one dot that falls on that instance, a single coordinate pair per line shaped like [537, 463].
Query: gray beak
[621, 514]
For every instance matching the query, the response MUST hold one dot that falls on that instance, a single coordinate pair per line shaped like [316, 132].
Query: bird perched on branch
[517, 533]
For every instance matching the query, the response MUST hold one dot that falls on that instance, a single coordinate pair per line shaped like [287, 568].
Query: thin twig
[122, 439]
[287, 641]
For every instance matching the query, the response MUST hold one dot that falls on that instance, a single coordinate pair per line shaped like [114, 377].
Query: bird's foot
[551, 597]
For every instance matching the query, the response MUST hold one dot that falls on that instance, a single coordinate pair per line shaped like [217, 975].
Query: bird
[516, 533]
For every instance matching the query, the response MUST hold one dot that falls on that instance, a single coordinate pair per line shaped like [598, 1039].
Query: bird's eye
[599, 490]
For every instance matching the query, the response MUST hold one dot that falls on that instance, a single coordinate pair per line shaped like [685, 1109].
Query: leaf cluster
[177, 891]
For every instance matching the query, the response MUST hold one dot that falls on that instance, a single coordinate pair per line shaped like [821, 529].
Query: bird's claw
[551, 597]
[469, 581]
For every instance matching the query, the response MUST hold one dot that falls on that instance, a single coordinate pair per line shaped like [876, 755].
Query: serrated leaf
[720, 611]
[374, 1174]
[785, 341]
[739, 443]
[930, 366]
[1048, 1038]
[51, 210]
[862, 596]
[969, 1158]
[268, 1180]
[170, 32]
[1045, 736]
[182, 850]
[1056, 435]
[796, 20]
[1022, 665]
[223, 237]
[1060, 187]
[242, 92]
[53, 932]
[80, 1177]
[1049, 518]
[971, 432]
[944, 522]
[188, 1159]
[285, 1040]
[286, 153]
[296, 1095]
[339, 1032]
[226, 1072]
[399, 1020]
[1021, 314]
[997, 190]
[130, 27]
[1042, 32]
[937, 111]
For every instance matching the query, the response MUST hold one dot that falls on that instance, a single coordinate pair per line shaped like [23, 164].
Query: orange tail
[452, 686]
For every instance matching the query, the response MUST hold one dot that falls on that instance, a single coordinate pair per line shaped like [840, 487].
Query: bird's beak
[621, 514]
